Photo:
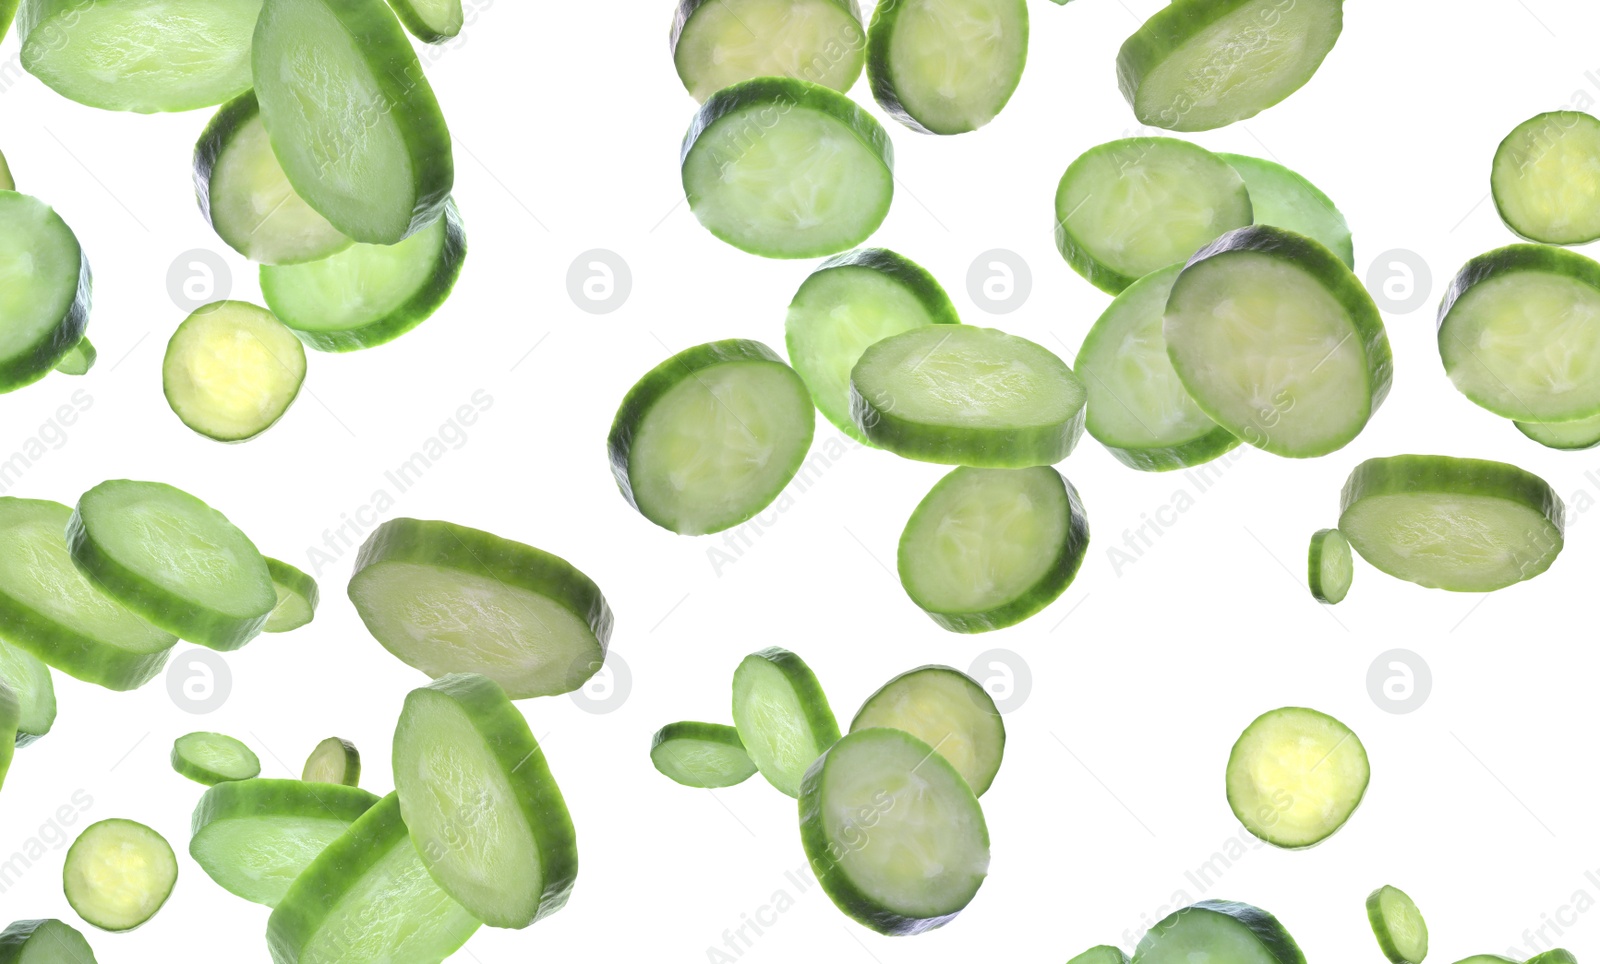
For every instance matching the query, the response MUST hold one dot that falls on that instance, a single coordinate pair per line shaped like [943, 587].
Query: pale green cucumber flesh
[1397, 924]
[1567, 436]
[946, 66]
[297, 597]
[232, 370]
[1282, 198]
[1329, 566]
[6, 181]
[79, 358]
[703, 755]
[718, 43]
[333, 761]
[1295, 776]
[44, 290]
[1216, 931]
[948, 710]
[1546, 180]
[213, 758]
[29, 680]
[118, 874]
[782, 716]
[44, 942]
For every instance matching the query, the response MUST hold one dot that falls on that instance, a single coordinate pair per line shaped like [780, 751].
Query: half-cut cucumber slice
[43, 941]
[1465, 525]
[213, 758]
[1544, 182]
[1295, 776]
[448, 599]
[118, 874]
[430, 21]
[29, 680]
[297, 597]
[894, 834]
[1567, 436]
[946, 709]
[1284, 199]
[1217, 931]
[703, 755]
[1329, 567]
[172, 559]
[718, 43]
[1278, 342]
[946, 66]
[44, 290]
[1397, 924]
[1130, 207]
[232, 370]
[782, 716]
[10, 716]
[709, 437]
[333, 761]
[787, 169]
[78, 359]
[1196, 65]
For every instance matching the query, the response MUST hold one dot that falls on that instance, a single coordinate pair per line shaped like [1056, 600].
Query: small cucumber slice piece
[10, 716]
[948, 710]
[297, 597]
[44, 941]
[709, 437]
[1284, 199]
[254, 837]
[7, 183]
[172, 559]
[703, 755]
[1559, 955]
[461, 747]
[232, 370]
[1218, 930]
[1104, 953]
[1329, 567]
[1566, 436]
[1295, 776]
[448, 599]
[894, 834]
[1465, 525]
[333, 761]
[1544, 183]
[718, 43]
[44, 290]
[1397, 924]
[29, 680]
[782, 716]
[118, 874]
[787, 169]
[78, 359]
[946, 66]
[430, 21]
[213, 758]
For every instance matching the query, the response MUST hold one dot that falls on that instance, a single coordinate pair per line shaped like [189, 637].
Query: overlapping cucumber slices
[44, 291]
[718, 43]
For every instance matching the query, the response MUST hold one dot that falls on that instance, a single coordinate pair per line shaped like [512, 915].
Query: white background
[568, 118]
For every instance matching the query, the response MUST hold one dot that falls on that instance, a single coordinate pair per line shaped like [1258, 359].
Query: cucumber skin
[8, 11]
[41, 360]
[10, 715]
[1380, 927]
[704, 732]
[296, 582]
[1103, 953]
[1399, 474]
[879, 33]
[1319, 541]
[27, 737]
[1531, 429]
[1266, 929]
[16, 937]
[201, 775]
[1558, 955]
[352, 764]
[84, 349]
[808, 690]
[1346, 249]
[418, 27]
[259, 797]
[913, 277]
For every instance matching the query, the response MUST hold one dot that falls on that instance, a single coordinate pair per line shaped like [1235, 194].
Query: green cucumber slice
[946, 709]
[173, 560]
[368, 899]
[460, 748]
[1465, 525]
[1196, 65]
[43, 941]
[1397, 924]
[7, 183]
[946, 66]
[50, 609]
[787, 169]
[448, 599]
[782, 716]
[702, 755]
[10, 716]
[213, 758]
[1559, 955]
[78, 359]
[1104, 953]
[1488, 959]
[1278, 342]
[352, 119]
[1138, 408]
[1567, 436]
[1282, 198]
[848, 304]
[44, 290]
[232, 370]
[29, 680]
[430, 21]
[894, 834]
[118, 873]
[297, 597]
[718, 43]
[709, 437]
[1329, 566]
[1544, 183]
[1218, 930]
[254, 837]
[961, 395]
[1295, 776]
[333, 761]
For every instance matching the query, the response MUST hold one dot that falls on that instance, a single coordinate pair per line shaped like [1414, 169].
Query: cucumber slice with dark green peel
[709, 437]
[50, 609]
[29, 680]
[232, 370]
[44, 290]
[118, 874]
[946, 66]
[787, 169]
[461, 747]
[7, 183]
[1329, 567]
[961, 395]
[1544, 180]
[1138, 408]
[352, 119]
[894, 834]
[213, 758]
[1278, 342]
[448, 599]
[718, 43]
[844, 307]
[430, 21]
[43, 941]
[254, 837]
[1489, 959]
[173, 560]
[368, 899]
[1105, 953]
[782, 716]
[297, 597]
[948, 710]
[1282, 198]
[1295, 776]
[702, 755]
[1218, 931]
[1559, 955]
[333, 761]
[1465, 525]
[1197, 65]
[10, 716]
[1397, 924]
[78, 359]
[1566, 436]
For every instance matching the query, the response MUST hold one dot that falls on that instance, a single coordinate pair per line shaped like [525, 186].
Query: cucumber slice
[849, 303]
[1567, 436]
[946, 66]
[1278, 342]
[1138, 408]
[787, 169]
[78, 359]
[1465, 525]
[987, 548]
[1295, 776]
[1284, 199]
[948, 710]
[1559, 955]
[10, 716]
[369, 294]
[254, 837]
[43, 941]
[248, 199]
[29, 680]
[172, 559]
[894, 834]
[718, 43]
[448, 599]
[213, 758]
[1218, 930]
[118, 873]
[782, 716]
[709, 437]
[460, 748]
[430, 21]
[140, 55]
[55, 612]
[368, 899]
[7, 183]
[960, 395]
[1543, 180]
[232, 370]
[351, 116]
[704, 755]
[1196, 65]
[1133, 206]
[44, 290]
[1397, 924]
[333, 761]
[1329, 567]
[1105, 953]
[297, 597]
